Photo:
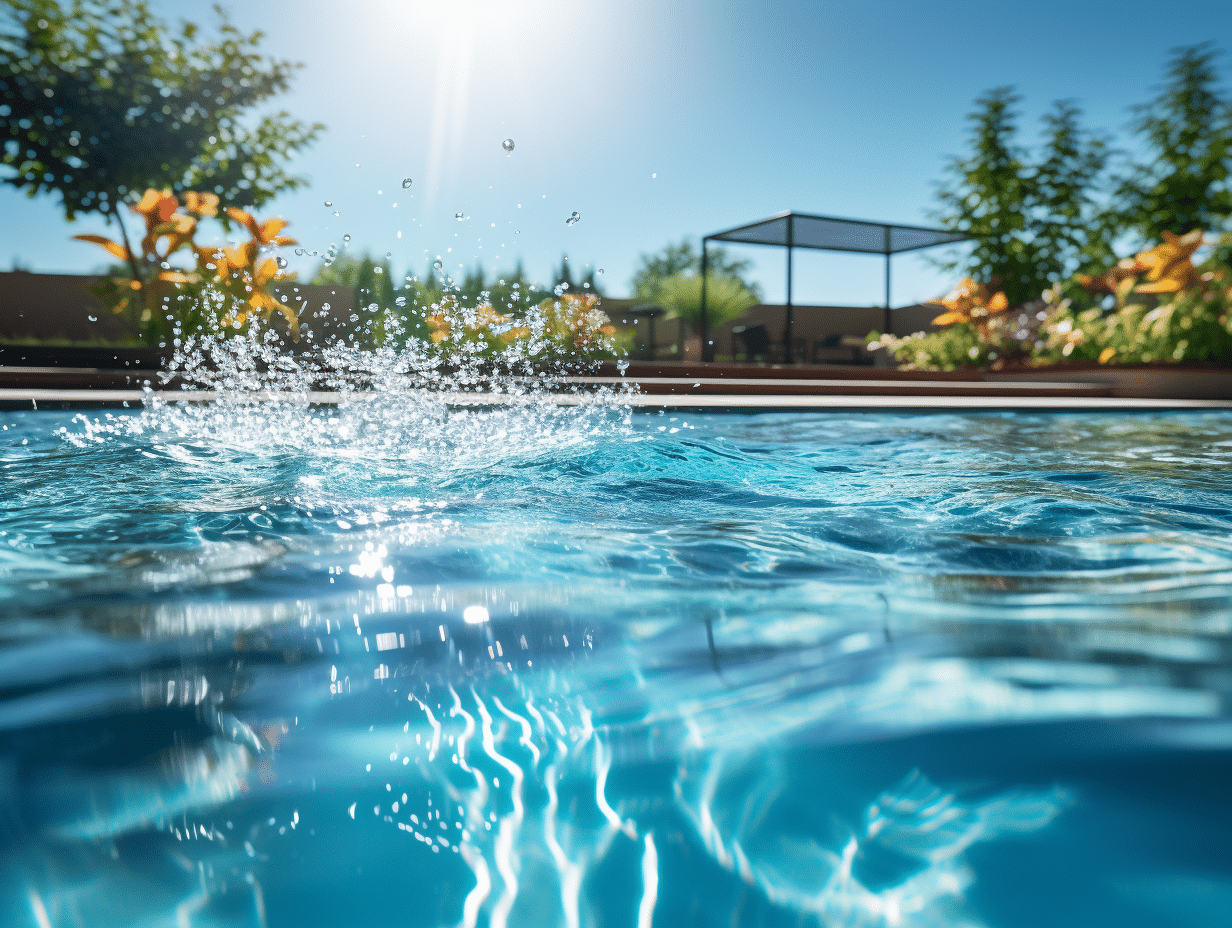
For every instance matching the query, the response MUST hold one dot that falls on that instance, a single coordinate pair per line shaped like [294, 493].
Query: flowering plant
[162, 296]
[1179, 312]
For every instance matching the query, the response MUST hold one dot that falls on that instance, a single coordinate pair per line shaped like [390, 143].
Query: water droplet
[507, 144]
[600, 270]
[458, 216]
[654, 175]
[517, 231]
[299, 251]
[389, 254]
[574, 218]
[282, 262]
[329, 202]
[400, 301]
[346, 238]
[92, 318]
[354, 317]
[406, 182]
[379, 270]
[357, 164]
[336, 213]
[438, 264]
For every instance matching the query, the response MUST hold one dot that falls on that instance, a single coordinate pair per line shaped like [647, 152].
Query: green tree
[683, 260]
[564, 275]
[1068, 235]
[372, 283]
[589, 284]
[1182, 182]
[1032, 224]
[653, 269]
[987, 198]
[726, 297]
[101, 100]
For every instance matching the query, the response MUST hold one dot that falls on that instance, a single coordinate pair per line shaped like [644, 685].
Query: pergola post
[791, 244]
[707, 352]
[887, 280]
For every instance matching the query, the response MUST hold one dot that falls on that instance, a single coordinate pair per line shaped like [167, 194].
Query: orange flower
[156, 205]
[265, 233]
[970, 302]
[202, 204]
[1171, 264]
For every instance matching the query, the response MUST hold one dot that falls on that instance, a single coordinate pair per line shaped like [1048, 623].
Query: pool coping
[17, 399]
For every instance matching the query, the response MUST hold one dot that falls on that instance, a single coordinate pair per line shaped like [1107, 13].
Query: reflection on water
[409, 663]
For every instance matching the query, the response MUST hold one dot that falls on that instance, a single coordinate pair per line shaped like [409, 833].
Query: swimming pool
[420, 665]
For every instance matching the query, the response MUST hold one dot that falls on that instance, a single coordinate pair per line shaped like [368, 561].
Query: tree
[1068, 236]
[987, 199]
[589, 284]
[564, 275]
[726, 297]
[100, 101]
[673, 261]
[656, 268]
[1032, 224]
[1182, 183]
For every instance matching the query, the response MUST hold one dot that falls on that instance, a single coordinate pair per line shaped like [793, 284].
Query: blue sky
[654, 121]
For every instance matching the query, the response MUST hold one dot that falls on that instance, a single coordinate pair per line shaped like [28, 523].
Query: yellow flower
[1171, 265]
[156, 206]
[971, 302]
[262, 233]
[202, 204]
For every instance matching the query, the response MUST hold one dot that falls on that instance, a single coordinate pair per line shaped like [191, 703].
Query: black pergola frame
[941, 237]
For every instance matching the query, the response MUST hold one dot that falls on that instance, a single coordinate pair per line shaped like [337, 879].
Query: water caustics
[426, 659]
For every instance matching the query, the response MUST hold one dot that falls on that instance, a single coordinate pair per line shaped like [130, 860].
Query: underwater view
[413, 662]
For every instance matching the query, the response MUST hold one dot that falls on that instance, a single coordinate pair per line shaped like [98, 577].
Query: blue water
[415, 665]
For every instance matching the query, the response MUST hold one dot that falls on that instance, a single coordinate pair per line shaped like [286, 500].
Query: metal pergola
[792, 230]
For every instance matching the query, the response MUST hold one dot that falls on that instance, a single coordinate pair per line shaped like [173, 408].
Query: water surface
[408, 664]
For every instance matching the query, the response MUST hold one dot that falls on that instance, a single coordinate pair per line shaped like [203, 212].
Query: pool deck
[691, 386]
[683, 400]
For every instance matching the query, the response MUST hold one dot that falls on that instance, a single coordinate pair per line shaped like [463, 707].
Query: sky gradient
[654, 121]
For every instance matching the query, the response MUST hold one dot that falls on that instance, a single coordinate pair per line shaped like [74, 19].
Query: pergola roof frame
[932, 238]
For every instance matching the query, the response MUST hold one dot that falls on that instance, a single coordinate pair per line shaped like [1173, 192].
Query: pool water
[404, 663]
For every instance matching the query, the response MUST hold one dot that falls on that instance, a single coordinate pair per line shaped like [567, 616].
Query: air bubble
[92, 318]
[336, 213]
[507, 144]
[438, 264]
[282, 262]
[299, 251]
[406, 182]
[346, 238]
[354, 317]
[378, 269]
[517, 231]
[458, 216]
[574, 218]
[329, 202]
[600, 270]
